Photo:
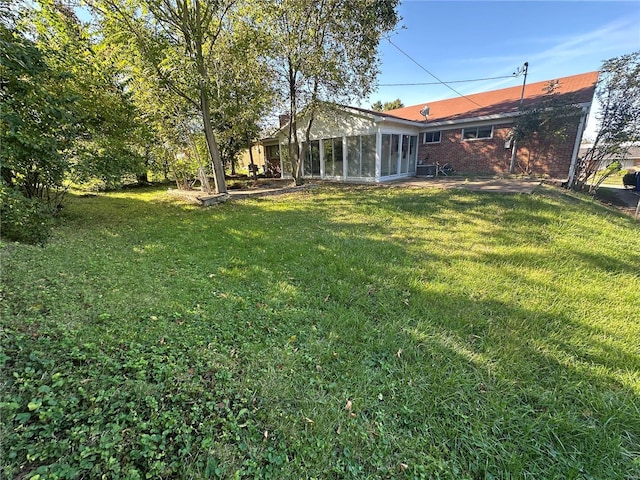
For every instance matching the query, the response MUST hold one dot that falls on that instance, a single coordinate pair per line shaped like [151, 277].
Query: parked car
[632, 181]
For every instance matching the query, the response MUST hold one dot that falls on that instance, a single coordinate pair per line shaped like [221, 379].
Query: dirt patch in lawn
[499, 185]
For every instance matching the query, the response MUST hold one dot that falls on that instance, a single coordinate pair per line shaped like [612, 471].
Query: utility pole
[514, 148]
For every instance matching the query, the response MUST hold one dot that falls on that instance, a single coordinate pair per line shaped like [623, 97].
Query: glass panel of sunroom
[312, 160]
[315, 158]
[338, 159]
[386, 152]
[353, 156]
[369, 156]
[393, 158]
[404, 156]
[413, 153]
[328, 157]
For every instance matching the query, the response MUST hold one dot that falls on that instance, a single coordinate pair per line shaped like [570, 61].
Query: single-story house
[265, 155]
[630, 160]
[266, 158]
[471, 133]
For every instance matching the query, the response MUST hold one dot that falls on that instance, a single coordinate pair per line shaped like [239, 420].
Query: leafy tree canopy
[324, 51]
[183, 46]
[378, 106]
[66, 113]
[618, 92]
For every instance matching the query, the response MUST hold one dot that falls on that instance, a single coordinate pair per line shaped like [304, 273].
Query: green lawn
[362, 332]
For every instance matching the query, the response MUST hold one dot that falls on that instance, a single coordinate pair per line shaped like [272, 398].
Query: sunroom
[355, 145]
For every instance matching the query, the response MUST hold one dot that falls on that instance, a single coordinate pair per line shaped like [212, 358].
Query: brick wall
[489, 156]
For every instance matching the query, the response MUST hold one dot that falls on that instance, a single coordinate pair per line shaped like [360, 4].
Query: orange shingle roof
[580, 89]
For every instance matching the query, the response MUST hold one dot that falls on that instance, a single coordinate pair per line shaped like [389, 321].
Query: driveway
[624, 199]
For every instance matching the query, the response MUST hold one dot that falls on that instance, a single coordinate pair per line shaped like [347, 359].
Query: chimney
[284, 119]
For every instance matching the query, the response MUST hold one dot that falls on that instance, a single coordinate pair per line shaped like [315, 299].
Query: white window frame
[483, 127]
[424, 137]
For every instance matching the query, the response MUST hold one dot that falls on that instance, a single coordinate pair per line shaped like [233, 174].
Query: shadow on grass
[315, 250]
[406, 289]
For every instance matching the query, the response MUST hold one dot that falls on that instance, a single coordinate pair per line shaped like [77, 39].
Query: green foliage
[618, 92]
[37, 125]
[23, 219]
[65, 111]
[381, 107]
[244, 90]
[486, 336]
[323, 51]
[105, 147]
[542, 124]
[185, 164]
[613, 169]
[173, 45]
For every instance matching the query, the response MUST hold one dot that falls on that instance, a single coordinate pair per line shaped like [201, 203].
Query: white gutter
[484, 118]
[576, 147]
[401, 121]
[424, 125]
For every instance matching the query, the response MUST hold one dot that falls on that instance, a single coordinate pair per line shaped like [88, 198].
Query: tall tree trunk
[306, 146]
[253, 171]
[294, 147]
[212, 146]
[205, 106]
[142, 178]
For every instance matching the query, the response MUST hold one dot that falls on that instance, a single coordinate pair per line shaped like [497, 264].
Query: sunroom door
[312, 160]
[408, 154]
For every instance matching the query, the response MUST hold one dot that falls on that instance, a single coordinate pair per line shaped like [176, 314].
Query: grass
[615, 179]
[360, 332]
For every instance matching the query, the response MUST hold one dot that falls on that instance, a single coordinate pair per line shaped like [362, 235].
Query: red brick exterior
[489, 156]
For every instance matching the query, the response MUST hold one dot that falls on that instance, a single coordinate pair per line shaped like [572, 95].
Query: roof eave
[401, 121]
[485, 118]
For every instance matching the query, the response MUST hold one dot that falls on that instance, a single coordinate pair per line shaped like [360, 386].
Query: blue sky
[459, 40]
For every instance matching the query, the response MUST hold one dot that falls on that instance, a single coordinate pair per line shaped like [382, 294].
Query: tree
[36, 126]
[618, 92]
[244, 89]
[171, 127]
[65, 112]
[541, 125]
[65, 116]
[383, 107]
[324, 51]
[176, 40]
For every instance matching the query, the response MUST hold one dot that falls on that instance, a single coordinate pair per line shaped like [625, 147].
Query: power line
[439, 81]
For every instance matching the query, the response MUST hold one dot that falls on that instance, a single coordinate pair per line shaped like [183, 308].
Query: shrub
[23, 219]
[92, 185]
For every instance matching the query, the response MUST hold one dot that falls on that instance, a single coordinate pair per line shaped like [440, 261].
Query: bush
[93, 185]
[23, 219]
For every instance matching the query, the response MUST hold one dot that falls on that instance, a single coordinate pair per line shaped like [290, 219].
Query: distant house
[470, 133]
[629, 160]
[266, 157]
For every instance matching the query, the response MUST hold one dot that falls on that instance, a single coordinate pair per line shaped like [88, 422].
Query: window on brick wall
[431, 137]
[477, 133]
